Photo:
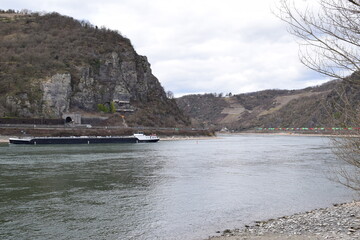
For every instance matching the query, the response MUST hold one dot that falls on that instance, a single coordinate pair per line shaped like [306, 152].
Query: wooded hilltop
[53, 64]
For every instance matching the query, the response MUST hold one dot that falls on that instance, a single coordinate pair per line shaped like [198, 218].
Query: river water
[167, 190]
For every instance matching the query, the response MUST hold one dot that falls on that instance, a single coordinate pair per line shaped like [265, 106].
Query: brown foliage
[34, 47]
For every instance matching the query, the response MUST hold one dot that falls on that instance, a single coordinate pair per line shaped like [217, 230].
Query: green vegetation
[103, 108]
[107, 108]
[112, 107]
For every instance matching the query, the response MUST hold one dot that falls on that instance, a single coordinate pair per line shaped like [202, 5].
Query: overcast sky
[198, 46]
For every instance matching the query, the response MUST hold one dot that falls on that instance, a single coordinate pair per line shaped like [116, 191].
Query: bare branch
[353, 2]
[329, 36]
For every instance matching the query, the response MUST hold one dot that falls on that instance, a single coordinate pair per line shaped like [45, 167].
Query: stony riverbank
[341, 221]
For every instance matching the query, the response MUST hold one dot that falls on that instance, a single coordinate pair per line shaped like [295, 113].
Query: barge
[136, 138]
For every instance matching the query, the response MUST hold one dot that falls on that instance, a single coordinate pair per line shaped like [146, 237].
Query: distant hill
[321, 106]
[52, 64]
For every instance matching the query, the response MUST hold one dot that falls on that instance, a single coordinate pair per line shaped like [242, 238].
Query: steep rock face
[56, 95]
[19, 104]
[53, 64]
[118, 76]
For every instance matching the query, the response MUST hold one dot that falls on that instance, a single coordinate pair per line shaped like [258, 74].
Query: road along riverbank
[341, 221]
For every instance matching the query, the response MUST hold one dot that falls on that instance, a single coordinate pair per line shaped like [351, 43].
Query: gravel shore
[341, 221]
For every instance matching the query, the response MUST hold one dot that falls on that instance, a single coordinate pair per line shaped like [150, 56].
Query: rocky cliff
[52, 64]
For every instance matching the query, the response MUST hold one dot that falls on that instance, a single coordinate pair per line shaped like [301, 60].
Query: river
[167, 190]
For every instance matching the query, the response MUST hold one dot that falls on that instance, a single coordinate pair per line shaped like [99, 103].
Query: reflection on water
[169, 190]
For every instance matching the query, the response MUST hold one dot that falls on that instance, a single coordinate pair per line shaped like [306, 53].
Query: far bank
[65, 131]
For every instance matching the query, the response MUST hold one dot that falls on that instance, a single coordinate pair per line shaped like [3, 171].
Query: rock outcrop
[52, 64]
[56, 95]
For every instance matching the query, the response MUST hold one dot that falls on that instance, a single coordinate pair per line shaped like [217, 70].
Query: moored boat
[144, 138]
[136, 138]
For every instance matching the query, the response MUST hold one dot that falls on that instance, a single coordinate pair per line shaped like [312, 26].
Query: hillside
[52, 64]
[321, 106]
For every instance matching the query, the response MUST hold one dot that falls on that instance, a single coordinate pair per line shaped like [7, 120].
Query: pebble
[341, 221]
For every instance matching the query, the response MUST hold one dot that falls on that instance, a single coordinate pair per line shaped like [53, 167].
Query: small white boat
[145, 138]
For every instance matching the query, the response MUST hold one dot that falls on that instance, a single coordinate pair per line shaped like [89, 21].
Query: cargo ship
[135, 138]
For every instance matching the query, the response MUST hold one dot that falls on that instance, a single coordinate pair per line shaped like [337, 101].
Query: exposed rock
[19, 104]
[56, 95]
[341, 221]
[54, 64]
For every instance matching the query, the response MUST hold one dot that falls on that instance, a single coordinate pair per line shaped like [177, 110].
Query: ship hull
[73, 140]
[148, 141]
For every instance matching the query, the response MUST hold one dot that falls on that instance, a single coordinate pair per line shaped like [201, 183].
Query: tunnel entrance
[68, 120]
[72, 118]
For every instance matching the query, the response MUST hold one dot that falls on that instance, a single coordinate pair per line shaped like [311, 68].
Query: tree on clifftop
[329, 43]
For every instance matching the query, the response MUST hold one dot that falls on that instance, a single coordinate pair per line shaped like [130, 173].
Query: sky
[198, 46]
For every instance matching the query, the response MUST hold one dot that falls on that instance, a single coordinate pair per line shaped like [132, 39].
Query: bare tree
[329, 43]
[329, 35]
[347, 147]
[170, 94]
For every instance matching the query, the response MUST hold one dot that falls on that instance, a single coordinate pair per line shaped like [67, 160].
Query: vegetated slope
[52, 64]
[321, 106]
[203, 109]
